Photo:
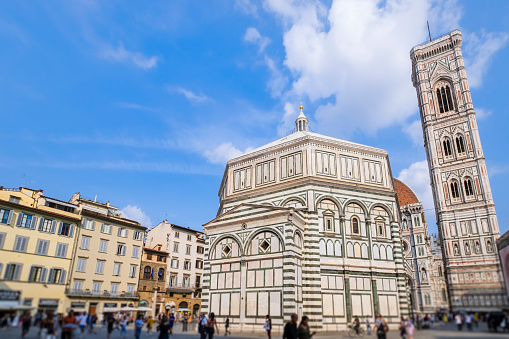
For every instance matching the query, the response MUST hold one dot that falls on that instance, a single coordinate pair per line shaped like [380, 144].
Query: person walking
[409, 328]
[458, 321]
[202, 321]
[69, 324]
[211, 325]
[402, 328]
[381, 327]
[123, 326]
[138, 325]
[26, 322]
[190, 322]
[171, 322]
[268, 326]
[356, 324]
[226, 326]
[303, 331]
[150, 324]
[469, 319]
[368, 326]
[110, 323]
[290, 331]
[184, 323]
[163, 328]
[48, 330]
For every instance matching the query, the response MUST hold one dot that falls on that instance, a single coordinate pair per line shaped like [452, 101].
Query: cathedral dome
[405, 194]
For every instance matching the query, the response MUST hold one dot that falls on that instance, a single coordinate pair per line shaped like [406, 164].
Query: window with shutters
[173, 280]
[199, 264]
[130, 289]
[64, 229]
[147, 272]
[174, 263]
[187, 265]
[177, 234]
[121, 249]
[137, 235]
[114, 289]
[35, 274]
[176, 247]
[97, 287]
[103, 246]
[123, 232]
[106, 228]
[56, 276]
[2, 239]
[160, 274]
[46, 225]
[81, 265]
[61, 250]
[116, 269]
[88, 224]
[5, 216]
[99, 268]
[13, 272]
[200, 250]
[136, 251]
[188, 250]
[85, 242]
[78, 285]
[455, 192]
[14, 199]
[189, 237]
[20, 244]
[186, 281]
[469, 188]
[25, 220]
[132, 271]
[42, 247]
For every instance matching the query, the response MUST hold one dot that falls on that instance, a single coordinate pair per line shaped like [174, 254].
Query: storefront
[110, 307]
[48, 305]
[78, 307]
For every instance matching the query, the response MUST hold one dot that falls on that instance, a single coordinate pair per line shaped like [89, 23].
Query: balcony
[104, 294]
[183, 288]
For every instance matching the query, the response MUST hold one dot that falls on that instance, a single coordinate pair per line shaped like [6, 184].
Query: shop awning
[16, 308]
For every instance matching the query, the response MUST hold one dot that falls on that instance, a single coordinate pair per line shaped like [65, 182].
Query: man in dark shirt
[290, 331]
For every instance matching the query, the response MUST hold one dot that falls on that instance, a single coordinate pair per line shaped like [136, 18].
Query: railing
[104, 294]
[180, 287]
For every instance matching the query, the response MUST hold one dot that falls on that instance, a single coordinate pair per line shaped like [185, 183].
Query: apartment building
[37, 238]
[184, 273]
[152, 285]
[107, 258]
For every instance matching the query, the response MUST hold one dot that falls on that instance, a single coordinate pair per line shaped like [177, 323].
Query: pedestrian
[82, 322]
[184, 323]
[226, 326]
[93, 323]
[190, 321]
[69, 324]
[290, 331]
[469, 318]
[476, 320]
[446, 319]
[171, 322]
[110, 323]
[138, 325]
[48, 330]
[368, 326]
[202, 321]
[410, 329]
[211, 325]
[402, 328]
[123, 326]
[303, 331]
[150, 324]
[26, 322]
[268, 326]
[163, 328]
[381, 327]
[458, 321]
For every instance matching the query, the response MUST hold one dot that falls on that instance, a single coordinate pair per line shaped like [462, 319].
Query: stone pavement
[438, 332]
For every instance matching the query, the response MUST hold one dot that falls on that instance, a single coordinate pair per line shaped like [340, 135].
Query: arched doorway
[196, 309]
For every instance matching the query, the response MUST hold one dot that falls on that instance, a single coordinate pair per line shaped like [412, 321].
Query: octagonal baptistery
[307, 224]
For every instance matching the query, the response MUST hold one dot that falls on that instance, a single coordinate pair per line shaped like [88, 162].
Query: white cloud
[479, 51]
[277, 81]
[482, 114]
[193, 97]
[417, 178]
[354, 57]
[122, 55]
[288, 120]
[252, 35]
[414, 131]
[246, 6]
[135, 213]
[222, 153]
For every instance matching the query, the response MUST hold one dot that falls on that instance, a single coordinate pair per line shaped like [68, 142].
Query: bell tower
[466, 218]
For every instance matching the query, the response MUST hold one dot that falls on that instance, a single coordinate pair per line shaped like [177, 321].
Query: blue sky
[142, 103]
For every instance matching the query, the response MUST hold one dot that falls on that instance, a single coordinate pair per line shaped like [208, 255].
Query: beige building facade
[106, 261]
[466, 217]
[37, 240]
[184, 273]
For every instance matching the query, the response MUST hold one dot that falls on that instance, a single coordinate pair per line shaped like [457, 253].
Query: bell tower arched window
[447, 147]
[460, 144]
[469, 188]
[455, 192]
[444, 99]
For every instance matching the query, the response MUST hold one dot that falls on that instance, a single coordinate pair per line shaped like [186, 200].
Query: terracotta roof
[405, 194]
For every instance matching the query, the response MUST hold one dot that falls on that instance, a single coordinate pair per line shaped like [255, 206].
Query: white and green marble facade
[283, 240]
